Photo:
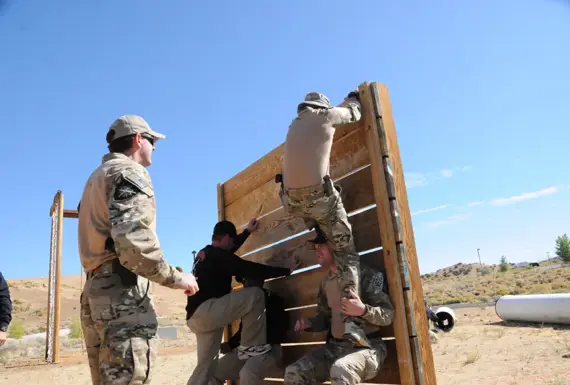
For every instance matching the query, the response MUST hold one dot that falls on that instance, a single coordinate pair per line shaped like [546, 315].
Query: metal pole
[479, 256]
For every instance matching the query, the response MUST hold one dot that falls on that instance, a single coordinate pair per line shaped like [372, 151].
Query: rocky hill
[465, 283]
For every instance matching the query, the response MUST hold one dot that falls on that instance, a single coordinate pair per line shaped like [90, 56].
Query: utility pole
[194, 254]
[479, 256]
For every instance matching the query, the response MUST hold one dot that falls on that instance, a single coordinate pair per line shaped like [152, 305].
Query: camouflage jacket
[379, 309]
[118, 202]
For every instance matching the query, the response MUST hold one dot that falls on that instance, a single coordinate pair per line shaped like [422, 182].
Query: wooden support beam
[221, 217]
[383, 210]
[406, 252]
[57, 307]
[70, 214]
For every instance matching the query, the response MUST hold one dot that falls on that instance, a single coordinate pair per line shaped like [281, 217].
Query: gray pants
[250, 372]
[213, 315]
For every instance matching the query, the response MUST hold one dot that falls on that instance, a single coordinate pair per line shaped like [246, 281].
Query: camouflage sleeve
[345, 114]
[379, 309]
[321, 322]
[132, 215]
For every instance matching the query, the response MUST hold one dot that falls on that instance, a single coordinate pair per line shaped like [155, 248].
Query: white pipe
[446, 317]
[543, 308]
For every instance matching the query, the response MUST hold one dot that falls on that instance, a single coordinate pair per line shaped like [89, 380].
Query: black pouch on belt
[128, 278]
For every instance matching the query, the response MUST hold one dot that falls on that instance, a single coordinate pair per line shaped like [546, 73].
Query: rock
[433, 337]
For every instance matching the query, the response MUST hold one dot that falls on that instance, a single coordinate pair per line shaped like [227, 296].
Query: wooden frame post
[417, 324]
[393, 272]
[221, 216]
[54, 281]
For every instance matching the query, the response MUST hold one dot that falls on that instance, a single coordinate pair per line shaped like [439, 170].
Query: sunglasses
[149, 138]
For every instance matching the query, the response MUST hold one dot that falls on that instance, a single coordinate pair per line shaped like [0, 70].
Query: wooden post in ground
[406, 248]
[57, 315]
[221, 217]
[389, 249]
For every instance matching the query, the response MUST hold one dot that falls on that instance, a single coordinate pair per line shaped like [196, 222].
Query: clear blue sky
[480, 94]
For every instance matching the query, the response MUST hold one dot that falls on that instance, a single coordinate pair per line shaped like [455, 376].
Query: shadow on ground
[531, 325]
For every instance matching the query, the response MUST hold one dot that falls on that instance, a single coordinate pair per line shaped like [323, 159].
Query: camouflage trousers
[120, 330]
[327, 212]
[338, 362]
[250, 372]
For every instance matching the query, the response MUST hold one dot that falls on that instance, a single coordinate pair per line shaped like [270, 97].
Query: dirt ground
[479, 350]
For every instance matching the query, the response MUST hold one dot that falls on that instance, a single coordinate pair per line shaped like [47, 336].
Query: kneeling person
[255, 369]
[338, 360]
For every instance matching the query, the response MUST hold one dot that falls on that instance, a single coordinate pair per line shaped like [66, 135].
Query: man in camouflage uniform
[121, 255]
[338, 360]
[308, 192]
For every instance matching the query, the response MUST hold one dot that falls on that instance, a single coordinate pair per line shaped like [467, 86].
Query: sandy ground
[480, 350]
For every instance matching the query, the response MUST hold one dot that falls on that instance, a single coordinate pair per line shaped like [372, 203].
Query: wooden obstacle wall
[365, 161]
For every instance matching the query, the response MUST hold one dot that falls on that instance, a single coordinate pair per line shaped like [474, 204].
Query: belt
[110, 266]
[325, 187]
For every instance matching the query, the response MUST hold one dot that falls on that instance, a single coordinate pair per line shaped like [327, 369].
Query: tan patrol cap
[130, 125]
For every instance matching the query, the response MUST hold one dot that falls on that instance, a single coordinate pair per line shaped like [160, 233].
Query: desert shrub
[75, 329]
[504, 265]
[486, 270]
[16, 330]
[519, 283]
[542, 288]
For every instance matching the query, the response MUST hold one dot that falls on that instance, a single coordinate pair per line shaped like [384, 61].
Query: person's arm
[321, 321]
[240, 267]
[349, 111]
[239, 240]
[5, 304]
[378, 307]
[132, 213]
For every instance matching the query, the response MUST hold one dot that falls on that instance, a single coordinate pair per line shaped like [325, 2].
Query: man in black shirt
[255, 369]
[215, 305]
[5, 309]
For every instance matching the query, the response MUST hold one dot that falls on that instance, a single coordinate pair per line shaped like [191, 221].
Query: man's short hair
[224, 228]
[121, 145]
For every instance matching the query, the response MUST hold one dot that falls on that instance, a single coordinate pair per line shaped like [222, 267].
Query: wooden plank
[229, 330]
[387, 129]
[357, 193]
[381, 192]
[347, 154]
[70, 214]
[300, 289]
[366, 237]
[265, 168]
[388, 375]
[308, 312]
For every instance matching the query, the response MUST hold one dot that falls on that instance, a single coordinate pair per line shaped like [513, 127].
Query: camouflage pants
[250, 372]
[328, 213]
[337, 362]
[120, 330]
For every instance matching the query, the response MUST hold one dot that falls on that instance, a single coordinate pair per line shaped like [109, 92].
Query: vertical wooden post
[393, 273]
[221, 217]
[57, 305]
[406, 248]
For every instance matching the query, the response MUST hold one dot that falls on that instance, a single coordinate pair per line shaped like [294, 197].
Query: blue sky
[479, 92]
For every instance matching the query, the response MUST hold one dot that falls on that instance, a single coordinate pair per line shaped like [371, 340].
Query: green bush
[504, 266]
[75, 329]
[16, 330]
[485, 271]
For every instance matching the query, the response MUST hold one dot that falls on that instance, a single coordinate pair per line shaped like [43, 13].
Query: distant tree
[563, 248]
[504, 265]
